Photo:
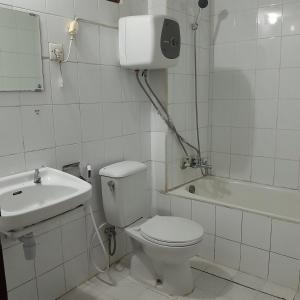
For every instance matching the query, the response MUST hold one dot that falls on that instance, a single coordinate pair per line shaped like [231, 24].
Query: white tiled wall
[61, 261]
[255, 91]
[254, 244]
[100, 116]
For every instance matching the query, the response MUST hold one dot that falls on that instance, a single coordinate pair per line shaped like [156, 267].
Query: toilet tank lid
[122, 169]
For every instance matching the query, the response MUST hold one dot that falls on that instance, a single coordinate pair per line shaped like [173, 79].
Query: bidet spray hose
[97, 234]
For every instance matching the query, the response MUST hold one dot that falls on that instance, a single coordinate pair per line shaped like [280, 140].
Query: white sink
[24, 203]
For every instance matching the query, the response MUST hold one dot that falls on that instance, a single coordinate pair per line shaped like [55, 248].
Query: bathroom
[211, 181]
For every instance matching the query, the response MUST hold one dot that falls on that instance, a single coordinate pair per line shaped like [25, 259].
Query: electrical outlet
[56, 52]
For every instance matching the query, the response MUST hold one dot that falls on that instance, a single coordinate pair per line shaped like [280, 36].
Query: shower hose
[162, 111]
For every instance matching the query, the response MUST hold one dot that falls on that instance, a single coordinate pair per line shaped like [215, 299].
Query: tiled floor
[212, 283]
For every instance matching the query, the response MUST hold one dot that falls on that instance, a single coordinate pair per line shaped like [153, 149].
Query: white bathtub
[248, 227]
[270, 201]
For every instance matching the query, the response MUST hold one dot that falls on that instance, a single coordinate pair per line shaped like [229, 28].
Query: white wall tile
[263, 142]
[76, 271]
[89, 87]
[181, 207]
[163, 204]
[285, 238]
[10, 131]
[268, 53]
[256, 230]
[66, 124]
[289, 51]
[131, 145]
[58, 7]
[287, 118]
[267, 27]
[227, 253]
[263, 170]
[289, 83]
[51, 291]
[91, 121]
[18, 270]
[221, 139]
[240, 167]
[286, 173]
[245, 55]
[221, 163]
[37, 159]
[73, 238]
[30, 4]
[228, 223]
[111, 87]
[109, 46]
[113, 150]
[88, 10]
[240, 113]
[131, 119]
[288, 144]
[109, 12]
[243, 84]
[204, 214]
[12, 164]
[26, 291]
[284, 270]
[207, 247]
[113, 115]
[87, 44]
[158, 146]
[265, 82]
[264, 114]
[46, 260]
[246, 25]
[291, 14]
[254, 261]
[240, 141]
[37, 124]
[68, 93]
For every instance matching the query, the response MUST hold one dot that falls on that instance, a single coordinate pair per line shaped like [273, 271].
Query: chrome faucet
[196, 162]
[37, 179]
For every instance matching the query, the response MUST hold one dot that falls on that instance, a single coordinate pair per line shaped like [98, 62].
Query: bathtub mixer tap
[196, 162]
[37, 179]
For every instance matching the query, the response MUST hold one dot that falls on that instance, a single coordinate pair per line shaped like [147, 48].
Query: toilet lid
[172, 231]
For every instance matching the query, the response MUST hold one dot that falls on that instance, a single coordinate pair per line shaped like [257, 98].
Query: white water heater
[149, 42]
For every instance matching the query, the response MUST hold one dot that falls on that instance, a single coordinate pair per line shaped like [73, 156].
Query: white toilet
[162, 246]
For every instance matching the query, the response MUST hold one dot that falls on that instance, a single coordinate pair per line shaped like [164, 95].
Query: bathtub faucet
[196, 162]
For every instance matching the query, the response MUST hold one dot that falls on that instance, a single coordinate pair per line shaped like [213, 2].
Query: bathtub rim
[199, 198]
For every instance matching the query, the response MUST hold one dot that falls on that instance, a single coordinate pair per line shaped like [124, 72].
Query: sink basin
[24, 203]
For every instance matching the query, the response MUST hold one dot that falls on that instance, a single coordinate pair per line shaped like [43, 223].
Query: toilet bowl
[162, 248]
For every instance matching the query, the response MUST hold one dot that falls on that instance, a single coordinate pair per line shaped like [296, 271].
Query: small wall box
[149, 42]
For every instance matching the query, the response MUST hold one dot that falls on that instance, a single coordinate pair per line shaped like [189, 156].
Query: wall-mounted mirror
[20, 51]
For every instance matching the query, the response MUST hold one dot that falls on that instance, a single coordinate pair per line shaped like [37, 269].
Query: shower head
[203, 3]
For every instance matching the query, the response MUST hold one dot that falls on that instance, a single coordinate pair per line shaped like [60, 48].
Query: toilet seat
[172, 231]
